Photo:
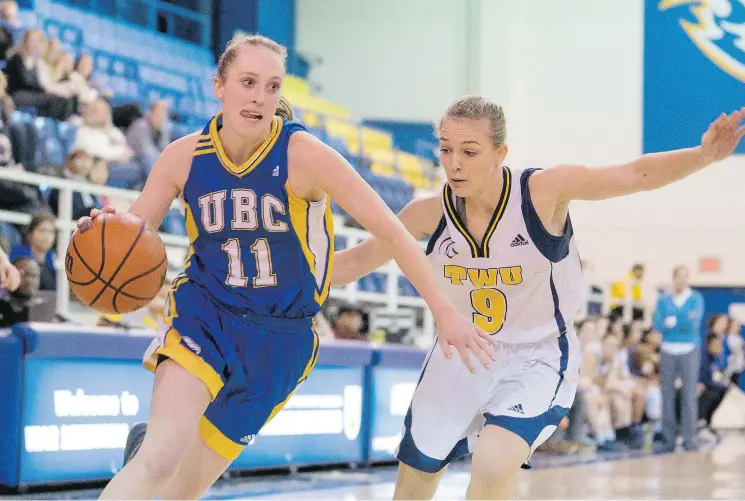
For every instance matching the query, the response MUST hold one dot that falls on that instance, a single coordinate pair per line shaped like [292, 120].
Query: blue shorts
[250, 363]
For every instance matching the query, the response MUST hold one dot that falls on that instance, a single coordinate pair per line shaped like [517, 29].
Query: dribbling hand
[723, 135]
[456, 331]
[85, 222]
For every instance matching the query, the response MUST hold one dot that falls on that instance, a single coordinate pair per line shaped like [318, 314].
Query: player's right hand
[457, 331]
[85, 222]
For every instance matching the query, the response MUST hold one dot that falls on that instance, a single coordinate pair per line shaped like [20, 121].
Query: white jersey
[521, 284]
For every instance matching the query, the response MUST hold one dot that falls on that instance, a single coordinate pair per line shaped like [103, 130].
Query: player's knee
[157, 469]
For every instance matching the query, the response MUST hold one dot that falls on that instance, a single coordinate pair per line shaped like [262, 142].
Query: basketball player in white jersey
[503, 248]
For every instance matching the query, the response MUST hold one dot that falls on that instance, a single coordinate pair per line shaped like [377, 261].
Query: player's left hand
[455, 330]
[723, 136]
[10, 278]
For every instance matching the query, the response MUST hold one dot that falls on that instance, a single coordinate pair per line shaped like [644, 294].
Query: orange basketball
[116, 266]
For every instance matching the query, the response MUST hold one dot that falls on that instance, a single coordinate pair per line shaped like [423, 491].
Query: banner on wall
[694, 68]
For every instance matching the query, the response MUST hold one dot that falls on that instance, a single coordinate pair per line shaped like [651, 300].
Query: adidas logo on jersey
[517, 408]
[275, 172]
[519, 240]
[247, 439]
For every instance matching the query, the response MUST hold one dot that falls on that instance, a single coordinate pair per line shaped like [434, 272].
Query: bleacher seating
[152, 66]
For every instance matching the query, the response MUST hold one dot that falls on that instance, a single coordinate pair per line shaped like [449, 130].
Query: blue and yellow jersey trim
[314, 225]
[214, 145]
[479, 251]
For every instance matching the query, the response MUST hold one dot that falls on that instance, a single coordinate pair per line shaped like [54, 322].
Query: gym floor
[717, 473]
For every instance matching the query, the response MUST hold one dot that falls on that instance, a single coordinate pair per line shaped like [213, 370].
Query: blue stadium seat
[8, 231]
[379, 282]
[340, 242]
[338, 144]
[66, 134]
[405, 288]
[174, 223]
[48, 149]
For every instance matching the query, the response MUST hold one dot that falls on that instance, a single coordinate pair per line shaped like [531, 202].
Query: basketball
[116, 266]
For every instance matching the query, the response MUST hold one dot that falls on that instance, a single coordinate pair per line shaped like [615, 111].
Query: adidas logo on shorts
[519, 240]
[517, 408]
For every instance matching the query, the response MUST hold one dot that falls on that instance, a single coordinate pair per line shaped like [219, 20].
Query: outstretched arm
[315, 169]
[652, 171]
[165, 181]
[419, 217]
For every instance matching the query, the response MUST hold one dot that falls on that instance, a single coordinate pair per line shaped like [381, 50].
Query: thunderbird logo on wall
[717, 29]
[694, 69]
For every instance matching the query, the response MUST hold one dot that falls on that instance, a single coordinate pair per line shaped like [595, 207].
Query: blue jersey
[255, 245]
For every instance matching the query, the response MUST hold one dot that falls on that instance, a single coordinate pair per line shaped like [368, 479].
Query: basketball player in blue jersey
[502, 247]
[238, 337]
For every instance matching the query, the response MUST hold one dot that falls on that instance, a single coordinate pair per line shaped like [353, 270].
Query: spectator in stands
[678, 317]
[77, 167]
[38, 245]
[598, 413]
[14, 307]
[10, 28]
[717, 326]
[80, 80]
[55, 70]
[614, 380]
[626, 296]
[100, 138]
[149, 135]
[712, 384]
[735, 346]
[48, 60]
[99, 175]
[348, 323]
[22, 134]
[15, 196]
[24, 83]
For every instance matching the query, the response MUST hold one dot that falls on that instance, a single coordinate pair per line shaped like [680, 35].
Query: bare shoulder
[422, 215]
[310, 162]
[175, 161]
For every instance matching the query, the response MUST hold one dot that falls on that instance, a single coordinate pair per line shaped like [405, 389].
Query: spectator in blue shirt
[712, 383]
[678, 318]
[38, 245]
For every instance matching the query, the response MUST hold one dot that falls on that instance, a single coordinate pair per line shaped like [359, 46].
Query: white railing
[65, 224]
[390, 300]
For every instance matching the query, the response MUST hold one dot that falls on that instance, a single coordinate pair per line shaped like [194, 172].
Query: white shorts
[528, 390]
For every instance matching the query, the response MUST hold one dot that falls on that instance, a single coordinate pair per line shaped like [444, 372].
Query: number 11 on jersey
[265, 276]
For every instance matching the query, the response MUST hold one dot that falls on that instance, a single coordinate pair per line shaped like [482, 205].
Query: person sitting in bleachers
[55, 69]
[348, 323]
[10, 27]
[149, 135]
[712, 385]
[14, 196]
[100, 138]
[24, 84]
[598, 412]
[38, 245]
[99, 175]
[14, 306]
[735, 347]
[80, 80]
[76, 168]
